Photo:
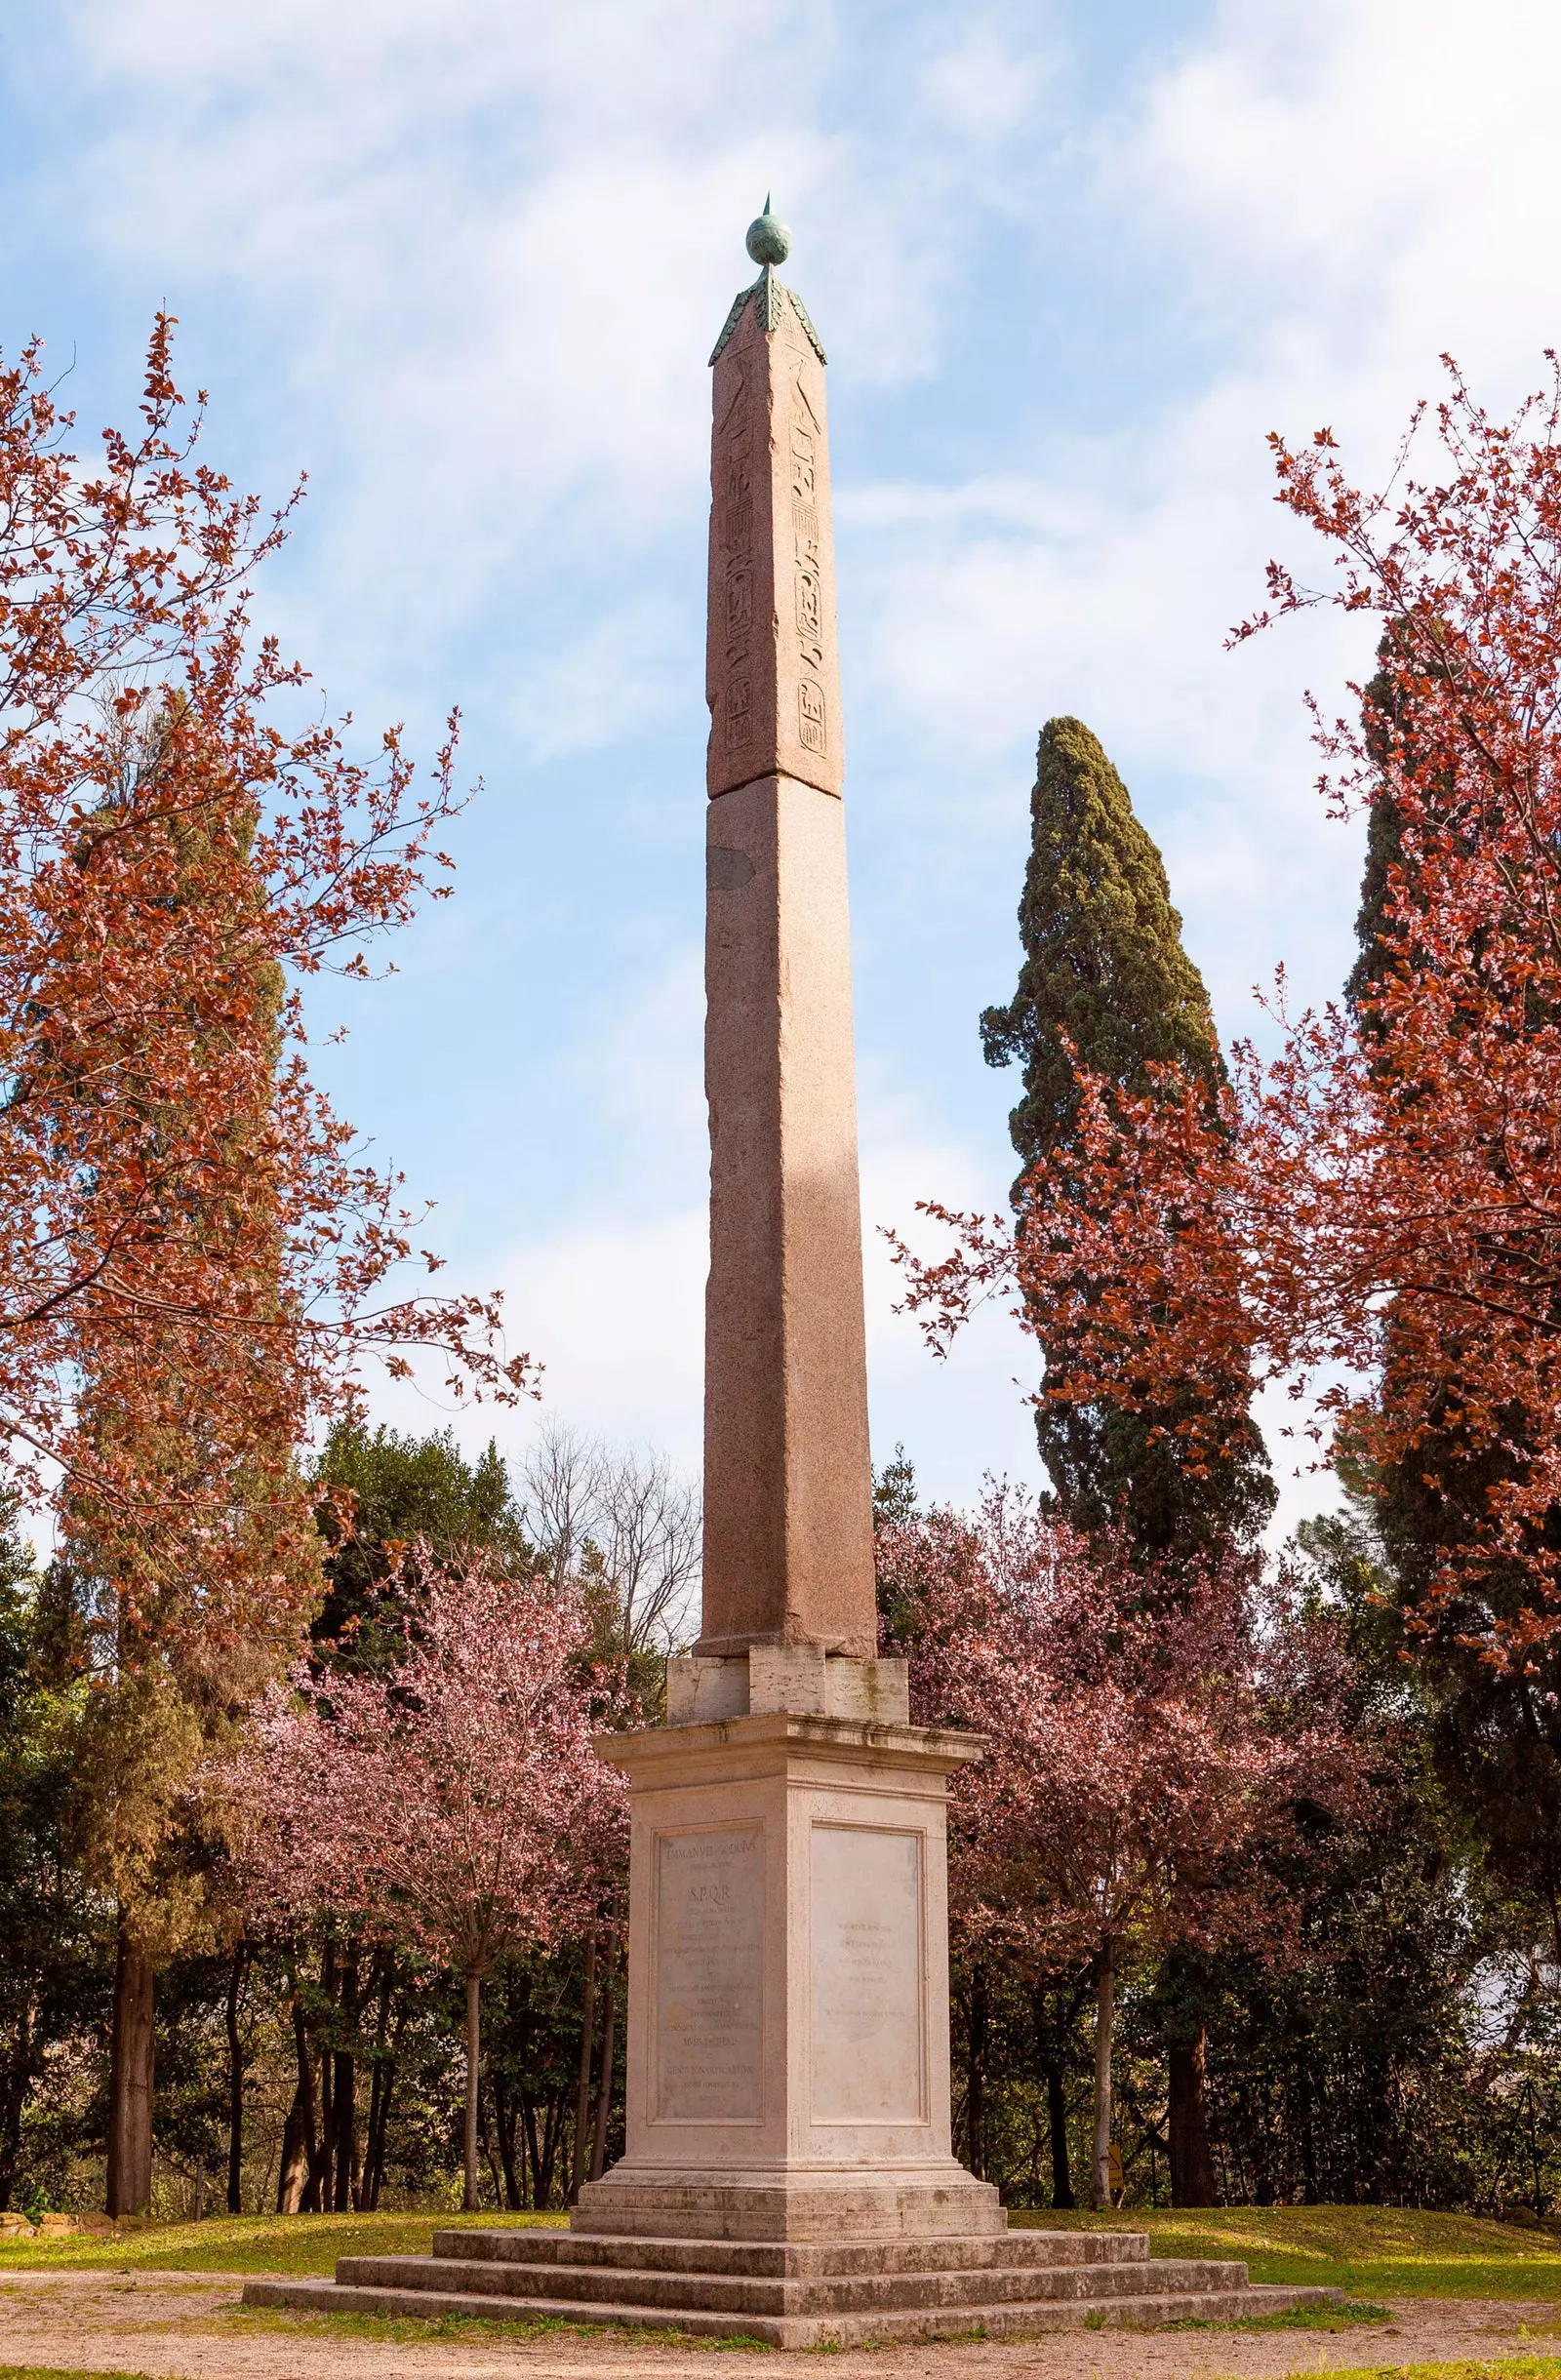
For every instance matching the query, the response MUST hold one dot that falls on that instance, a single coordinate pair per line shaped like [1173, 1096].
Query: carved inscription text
[709, 1977]
[868, 2052]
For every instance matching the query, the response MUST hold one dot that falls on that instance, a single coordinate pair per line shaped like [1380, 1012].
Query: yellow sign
[1114, 2167]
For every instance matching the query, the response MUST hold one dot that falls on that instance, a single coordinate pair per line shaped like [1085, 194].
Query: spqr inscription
[709, 1977]
[866, 2016]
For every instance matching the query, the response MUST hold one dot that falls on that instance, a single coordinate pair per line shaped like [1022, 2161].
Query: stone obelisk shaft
[787, 1475]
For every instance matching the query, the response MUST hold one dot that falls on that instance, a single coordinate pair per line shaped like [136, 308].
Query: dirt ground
[188, 2327]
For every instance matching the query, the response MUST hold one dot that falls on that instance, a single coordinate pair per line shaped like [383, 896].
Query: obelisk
[787, 1477]
[788, 1954]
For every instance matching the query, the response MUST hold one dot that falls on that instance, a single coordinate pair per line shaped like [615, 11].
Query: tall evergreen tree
[1107, 984]
[1104, 971]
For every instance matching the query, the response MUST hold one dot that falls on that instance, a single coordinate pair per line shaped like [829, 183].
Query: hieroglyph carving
[813, 715]
[735, 533]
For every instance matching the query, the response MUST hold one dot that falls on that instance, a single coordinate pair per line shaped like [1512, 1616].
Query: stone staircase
[796, 2293]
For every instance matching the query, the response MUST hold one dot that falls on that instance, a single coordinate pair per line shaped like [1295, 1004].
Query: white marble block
[788, 1984]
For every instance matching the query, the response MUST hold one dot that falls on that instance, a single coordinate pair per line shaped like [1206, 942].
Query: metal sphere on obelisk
[769, 240]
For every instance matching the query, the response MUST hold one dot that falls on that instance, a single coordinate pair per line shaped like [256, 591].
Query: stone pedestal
[788, 1970]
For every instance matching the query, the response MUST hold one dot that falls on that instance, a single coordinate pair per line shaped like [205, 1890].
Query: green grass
[1507, 2367]
[46, 2371]
[250, 2243]
[409, 2329]
[1367, 2251]
[1300, 2318]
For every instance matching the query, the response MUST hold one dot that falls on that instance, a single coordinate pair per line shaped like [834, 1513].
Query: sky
[463, 264]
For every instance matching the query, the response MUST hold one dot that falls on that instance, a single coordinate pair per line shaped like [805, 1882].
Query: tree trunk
[471, 2201]
[129, 2081]
[13, 2099]
[292, 2178]
[1191, 2165]
[318, 2198]
[975, 2078]
[385, 2077]
[300, 2154]
[582, 2107]
[1104, 2012]
[345, 2093]
[484, 2139]
[506, 2123]
[1056, 2121]
[604, 2088]
[235, 2088]
[378, 2084]
[553, 2134]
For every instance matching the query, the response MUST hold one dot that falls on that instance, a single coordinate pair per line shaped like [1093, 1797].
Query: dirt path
[188, 2326]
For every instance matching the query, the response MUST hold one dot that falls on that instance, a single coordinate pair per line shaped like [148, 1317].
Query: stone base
[796, 2293]
[791, 2206]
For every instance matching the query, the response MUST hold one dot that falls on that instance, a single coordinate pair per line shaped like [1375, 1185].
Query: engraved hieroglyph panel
[709, 1977]
[867, 2029]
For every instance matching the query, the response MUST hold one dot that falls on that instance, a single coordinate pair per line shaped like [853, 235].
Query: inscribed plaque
[868, 2053]
[709, 1976]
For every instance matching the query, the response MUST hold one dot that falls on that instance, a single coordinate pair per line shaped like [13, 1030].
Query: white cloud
[468, 263]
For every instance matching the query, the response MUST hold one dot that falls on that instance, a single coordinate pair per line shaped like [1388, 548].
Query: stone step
[663, 2209]
[788, 2260]
[824, 2293]
[1138, 2311]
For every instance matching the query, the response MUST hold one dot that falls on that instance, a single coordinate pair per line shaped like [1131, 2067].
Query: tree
[455, 1806]
[1135, 1755]
[384, 1491]
[46, 1966]
[621, 1525]
[1107, 986]
[1391, 1185]
[198, 1261]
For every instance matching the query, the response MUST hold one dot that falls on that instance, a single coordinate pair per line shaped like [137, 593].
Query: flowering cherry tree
[1377, 1210]
[454, 1806]
[1138, 1749]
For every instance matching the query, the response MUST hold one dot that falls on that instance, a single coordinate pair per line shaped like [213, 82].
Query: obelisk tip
[769, 240]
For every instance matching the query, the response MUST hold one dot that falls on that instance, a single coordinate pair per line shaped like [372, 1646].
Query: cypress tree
[1104, 970]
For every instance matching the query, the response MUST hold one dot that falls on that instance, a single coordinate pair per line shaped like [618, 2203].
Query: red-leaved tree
[1376, 1213]
[454, 1806]
[198, 1259]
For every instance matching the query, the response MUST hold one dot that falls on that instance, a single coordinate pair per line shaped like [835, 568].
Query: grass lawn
[1371, 2252]
[247, 2244]
[1509, 2368]
[1367, 2251]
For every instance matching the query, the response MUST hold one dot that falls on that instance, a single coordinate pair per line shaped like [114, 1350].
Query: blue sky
[463, 263]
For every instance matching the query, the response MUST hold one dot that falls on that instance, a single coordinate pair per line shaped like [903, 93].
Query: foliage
[48, 1969]
[1139, 1752]
[1105, 980]
[179, 1185]
[1107, 988]
[455, 1806]
[1391, 1181]
[384, 1491]
[1135, 1746]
